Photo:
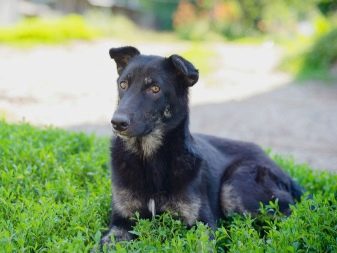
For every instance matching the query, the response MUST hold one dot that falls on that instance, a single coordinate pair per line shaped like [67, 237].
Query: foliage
[188, 23]
[327, 7]
[240, 18]
[54, 189]
[313, 57]
[55, 197]
[122, 28]
[321, 56]
[162, 12]
[37, 31]
[33, 31]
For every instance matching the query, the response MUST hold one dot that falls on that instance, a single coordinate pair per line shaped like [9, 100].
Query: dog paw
[116, 234]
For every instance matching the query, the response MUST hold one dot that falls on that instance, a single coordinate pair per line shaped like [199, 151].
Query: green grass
[321, 56]
[37, 31]
[55, 197]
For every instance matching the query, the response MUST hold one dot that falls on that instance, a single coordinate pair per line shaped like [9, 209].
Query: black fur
[156, 158]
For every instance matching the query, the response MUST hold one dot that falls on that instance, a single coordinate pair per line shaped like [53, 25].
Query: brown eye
[155, 88]
[123, 85]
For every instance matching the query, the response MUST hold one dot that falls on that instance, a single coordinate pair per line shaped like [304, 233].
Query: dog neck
[172, 163]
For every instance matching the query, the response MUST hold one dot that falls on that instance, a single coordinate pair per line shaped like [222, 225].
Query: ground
[243, 97]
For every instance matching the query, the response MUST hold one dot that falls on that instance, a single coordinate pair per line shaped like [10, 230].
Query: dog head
[152, 92]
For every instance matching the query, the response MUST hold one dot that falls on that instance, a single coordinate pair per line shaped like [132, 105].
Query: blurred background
[268, 69]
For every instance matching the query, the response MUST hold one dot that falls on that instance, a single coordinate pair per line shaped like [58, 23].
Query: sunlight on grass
[35, 31]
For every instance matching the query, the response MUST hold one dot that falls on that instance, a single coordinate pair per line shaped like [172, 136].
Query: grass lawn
[55, 197]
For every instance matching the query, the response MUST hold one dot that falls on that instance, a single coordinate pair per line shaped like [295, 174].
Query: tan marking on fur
[120, 234]
[149, 143]
[230, 201]
[187, 209]
[125, 202]
[130, 143]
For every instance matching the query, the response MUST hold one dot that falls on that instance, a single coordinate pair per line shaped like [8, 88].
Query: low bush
[55, 197]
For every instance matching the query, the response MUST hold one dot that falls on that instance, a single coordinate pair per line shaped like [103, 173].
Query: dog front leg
[206, 216]
[209, 221]
[119, 229]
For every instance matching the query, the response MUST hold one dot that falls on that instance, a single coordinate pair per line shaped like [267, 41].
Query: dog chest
[127, 203]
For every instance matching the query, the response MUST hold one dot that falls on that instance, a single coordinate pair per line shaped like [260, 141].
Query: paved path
[245, 98]
[295, 120]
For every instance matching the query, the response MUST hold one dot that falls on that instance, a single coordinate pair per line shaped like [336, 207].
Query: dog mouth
[128, 135]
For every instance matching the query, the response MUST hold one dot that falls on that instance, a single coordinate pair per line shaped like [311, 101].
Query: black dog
[158, 165]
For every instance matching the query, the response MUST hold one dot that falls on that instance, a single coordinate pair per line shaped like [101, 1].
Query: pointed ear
[122, 56]
[185, 68]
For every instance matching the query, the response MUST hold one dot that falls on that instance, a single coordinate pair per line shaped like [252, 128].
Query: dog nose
[120, 122]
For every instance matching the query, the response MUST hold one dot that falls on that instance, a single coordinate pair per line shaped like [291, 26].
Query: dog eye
[123, 85]
[155, 88]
